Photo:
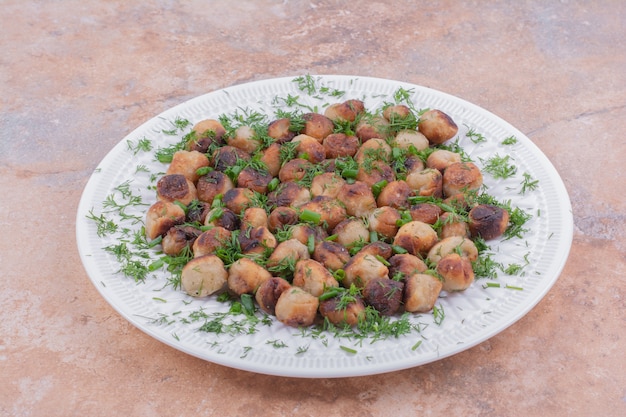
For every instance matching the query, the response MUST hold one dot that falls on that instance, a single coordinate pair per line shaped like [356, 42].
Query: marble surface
[77, 76]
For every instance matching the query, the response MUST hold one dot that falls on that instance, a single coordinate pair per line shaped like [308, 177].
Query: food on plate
[325, 216]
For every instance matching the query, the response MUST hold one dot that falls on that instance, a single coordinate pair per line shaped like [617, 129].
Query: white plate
[471, 317]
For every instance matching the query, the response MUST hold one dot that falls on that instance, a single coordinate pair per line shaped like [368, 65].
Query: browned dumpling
[338, 145]
[287, 253]
[254, 179]
[362, 268]
[187, 163]
[254, 217]
[426, 212]
[289, 194]
[208, 242]
[317, 125]
[228, 156]
[256, 240]
[442, 159]
[205, 133]
[280, 129]
[213, 184]
[296, 307]
[397, 112]
[453, 244]
[313, 277]
[161, 216]
[331, 211]
[351, 232]
[406, 139]
[281, 217]
[343, 313]
[416, 237]
[331, 254]
[178, 238]
[384, 221]
[244, 138]
[395, 194]
[222, 217]
[461, 177]
[357, 198]
[270, 157]
[372, 127]
[453, 225]
[456, 271]
[374, 171]
[327, 184]
[344, 112]
[421, 292]
[402, 265]
[176, 187]
[294, 170]
[437, 126]
[384, 294]
[238, 199]
[245, 276]
[488, 221]
[428, 182]
[309, 148]
[203, 276]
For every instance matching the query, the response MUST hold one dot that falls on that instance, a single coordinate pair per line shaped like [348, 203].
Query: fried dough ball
[213, 184]
[406, 138]
[290, 251]
[374, 149]
[238, 199]
[206, 132]
[289, 194]
[245, 276]
[327, 184]
[402, 265]
[362, 268]
[344, 112]
[296, 307]
[269, 292]
[379, 249]
[395, 194]
[178, 238]
[331, 254]
[383, 220]
[453, 244]
[437, 126]
[271, 158]
[281, 217]
[426, 212]
[338, 145]
[461, 177]
[342, 313]
[280, 129]
[442, 159]
[197, 212]
[313, 277]
[294, 170]
[187, 163]
[309, 148]
[209, 241]
[488, 221]
[384, 294]
[162, 216]
[421, 292]
[317, 125]
[373, 171]
[413, 163]
[396, 112]
[331, 211]
[428, 182]
[254, 217]
[244, 138]
[351, 232]
[357, 198]
[227, 156]
[222, 217]
[416, 237]
[203, 276]
[456, 271]
[372, 127]
[254, 179]
[453, 225]
[303, 232]
[256, 240]
[176, 187]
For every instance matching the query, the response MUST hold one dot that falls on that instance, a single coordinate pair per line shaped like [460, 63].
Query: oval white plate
[471, 317]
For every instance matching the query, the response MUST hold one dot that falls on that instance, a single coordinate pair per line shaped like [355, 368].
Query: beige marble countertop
[78, 76]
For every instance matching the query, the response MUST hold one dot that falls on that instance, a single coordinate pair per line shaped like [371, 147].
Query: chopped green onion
[309, 216]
